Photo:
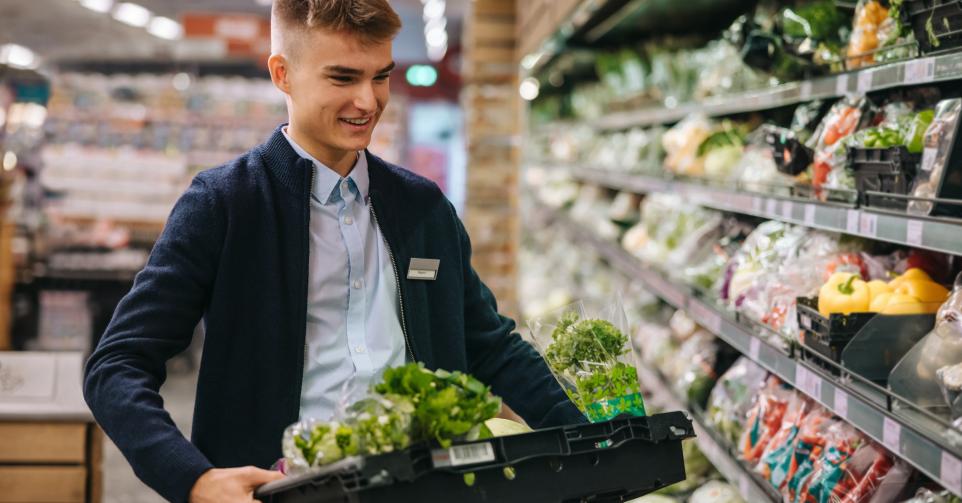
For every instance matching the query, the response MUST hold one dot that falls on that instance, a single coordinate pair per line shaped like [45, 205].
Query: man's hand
[231, 485]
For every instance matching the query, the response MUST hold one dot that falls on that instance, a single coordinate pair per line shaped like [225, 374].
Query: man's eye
[341, 78]
[382, 77]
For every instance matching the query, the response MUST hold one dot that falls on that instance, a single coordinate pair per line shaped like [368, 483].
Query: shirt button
[359, 349]
[357, 283]
[348, 220]
[344, 185]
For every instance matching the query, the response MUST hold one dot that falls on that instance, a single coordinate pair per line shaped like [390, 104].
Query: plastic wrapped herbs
[588, 352]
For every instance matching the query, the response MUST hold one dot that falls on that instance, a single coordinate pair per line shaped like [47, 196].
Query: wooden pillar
[492, 112]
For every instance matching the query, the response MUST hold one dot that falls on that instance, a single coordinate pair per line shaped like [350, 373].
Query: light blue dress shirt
[353, 317]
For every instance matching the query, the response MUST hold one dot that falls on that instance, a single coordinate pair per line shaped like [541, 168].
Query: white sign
[913, 232]
[865, 81]
[788, 210]
[851, 221]
[841, 403]
[754, 347]
[892, 435]
[950, 473]
[771, 206]
[841, 84]
[805, 90]
[868, 224]
[810, 215]
[918, 71]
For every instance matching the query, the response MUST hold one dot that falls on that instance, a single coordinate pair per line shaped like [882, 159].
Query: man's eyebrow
[346, 70]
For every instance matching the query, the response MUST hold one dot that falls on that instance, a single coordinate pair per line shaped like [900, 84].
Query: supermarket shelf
[750, 487]
[916, 71]
[922, 232]
[930, 447]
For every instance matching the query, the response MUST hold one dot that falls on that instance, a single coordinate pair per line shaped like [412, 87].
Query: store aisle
[120, 483]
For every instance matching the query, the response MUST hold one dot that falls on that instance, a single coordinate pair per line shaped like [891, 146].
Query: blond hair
[373, 21]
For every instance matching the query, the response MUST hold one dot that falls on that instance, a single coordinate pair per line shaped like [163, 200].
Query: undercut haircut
[372, 21]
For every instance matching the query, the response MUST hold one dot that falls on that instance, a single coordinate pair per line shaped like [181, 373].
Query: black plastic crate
[611, 461]
[790, 155]
[827, 336]
[944, 17]
[881, 171]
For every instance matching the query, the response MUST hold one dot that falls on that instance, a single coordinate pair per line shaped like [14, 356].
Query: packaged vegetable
[589, 353]
[776, 462]
[732, 396]
[827, 483]
[937, 147]
[809, 444]
[764, 419]
[870, 16]
[715, 492]
[842, 120]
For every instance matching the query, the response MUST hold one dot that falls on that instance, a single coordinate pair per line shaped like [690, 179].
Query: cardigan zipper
[397, 282]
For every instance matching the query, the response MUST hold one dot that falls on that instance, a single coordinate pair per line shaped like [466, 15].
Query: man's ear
[279, 67]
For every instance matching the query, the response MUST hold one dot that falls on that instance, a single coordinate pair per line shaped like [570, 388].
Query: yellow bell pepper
[879, 302]
[924, 291]
[900, 303]
[844, 293]
[877, 287]
[912, 274]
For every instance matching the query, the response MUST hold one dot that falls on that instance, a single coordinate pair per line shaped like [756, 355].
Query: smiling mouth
[357, 122]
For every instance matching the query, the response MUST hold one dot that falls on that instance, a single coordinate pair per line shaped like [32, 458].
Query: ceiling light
[436, 38]
[98, 5]
[164, 27]
[435, 24]
[421, 75]
[9, 161]
[529, 88]
[437, 53]
[17, 56]
[434, 9]
[132, 14]
[181, 81]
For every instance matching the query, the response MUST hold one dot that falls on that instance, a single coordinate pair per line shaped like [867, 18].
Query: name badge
[425, 269]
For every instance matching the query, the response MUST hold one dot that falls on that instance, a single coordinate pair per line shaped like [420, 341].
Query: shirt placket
[357, 299]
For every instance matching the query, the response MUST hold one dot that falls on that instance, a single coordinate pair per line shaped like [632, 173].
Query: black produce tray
[615, 460]
[790, 155]
[827, 336]
[945, 18]
[889, 170]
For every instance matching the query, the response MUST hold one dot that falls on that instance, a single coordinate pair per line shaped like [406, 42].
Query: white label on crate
[468, 454]
[809, 215]
[891, 435]
[841, 84]
[851, 221]
[771, 206]
[865, 81]
[805, 90]
[757, 204]
[754, 347]
[913, 232]
[868, 224]
[918, 71]
[928, 158]
[841, 403]
[788, 210]
[950, 473]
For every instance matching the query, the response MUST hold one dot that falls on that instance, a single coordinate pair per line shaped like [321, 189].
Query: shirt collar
[326, 179]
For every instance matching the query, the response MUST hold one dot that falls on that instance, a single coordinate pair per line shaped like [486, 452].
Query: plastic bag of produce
[928, 373]
[715, 492]
[830, 168]
[777, 459]
[764, 419]
[938, 143]
[809, 443]
[693, 372]
[588, 351]
[871, 26]
[681, 144]
[826, 482]
[732, 396]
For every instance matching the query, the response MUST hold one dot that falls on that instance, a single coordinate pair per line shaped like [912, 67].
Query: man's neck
[339, 161]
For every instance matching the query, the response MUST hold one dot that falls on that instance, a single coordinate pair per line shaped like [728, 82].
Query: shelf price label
[950, 472]
[913, 232]
[808, 382]
[851, 221]
[810, 215]
[841, 403]
[805, 90]
[771, 206]
[757, 204]
[745, 487]
[841, 84]
[788, 210]
[754, 347]
[865, 81]
[868, 224]
[891, 435]
[918, 71]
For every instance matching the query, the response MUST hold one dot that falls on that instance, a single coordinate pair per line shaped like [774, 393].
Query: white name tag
[425, 269]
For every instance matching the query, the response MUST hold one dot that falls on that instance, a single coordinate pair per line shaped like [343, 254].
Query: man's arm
[499, 357]
[154, 322]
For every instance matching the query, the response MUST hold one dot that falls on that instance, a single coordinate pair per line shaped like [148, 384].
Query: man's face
[338, 88]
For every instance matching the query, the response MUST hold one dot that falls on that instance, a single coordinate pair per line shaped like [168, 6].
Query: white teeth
[357, 122]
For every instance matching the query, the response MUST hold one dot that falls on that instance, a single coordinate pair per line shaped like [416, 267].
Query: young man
[302, 256]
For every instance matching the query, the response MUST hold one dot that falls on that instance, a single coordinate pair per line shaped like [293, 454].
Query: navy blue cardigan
[235, 252]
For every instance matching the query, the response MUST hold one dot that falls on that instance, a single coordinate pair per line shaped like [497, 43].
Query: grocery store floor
[120, 483]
